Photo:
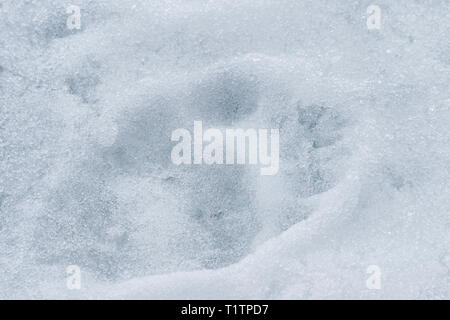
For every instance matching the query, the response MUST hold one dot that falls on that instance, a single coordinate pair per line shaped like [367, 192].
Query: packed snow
[86, 179]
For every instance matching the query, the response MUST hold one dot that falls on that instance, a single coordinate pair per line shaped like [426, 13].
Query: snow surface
[85, 172]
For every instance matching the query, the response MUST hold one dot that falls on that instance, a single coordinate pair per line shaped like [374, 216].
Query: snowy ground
[86, 178]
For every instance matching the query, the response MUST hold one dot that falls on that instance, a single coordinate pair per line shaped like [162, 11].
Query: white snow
[85, 172]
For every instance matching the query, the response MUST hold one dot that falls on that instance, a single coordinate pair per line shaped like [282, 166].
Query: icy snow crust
[85, 171]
